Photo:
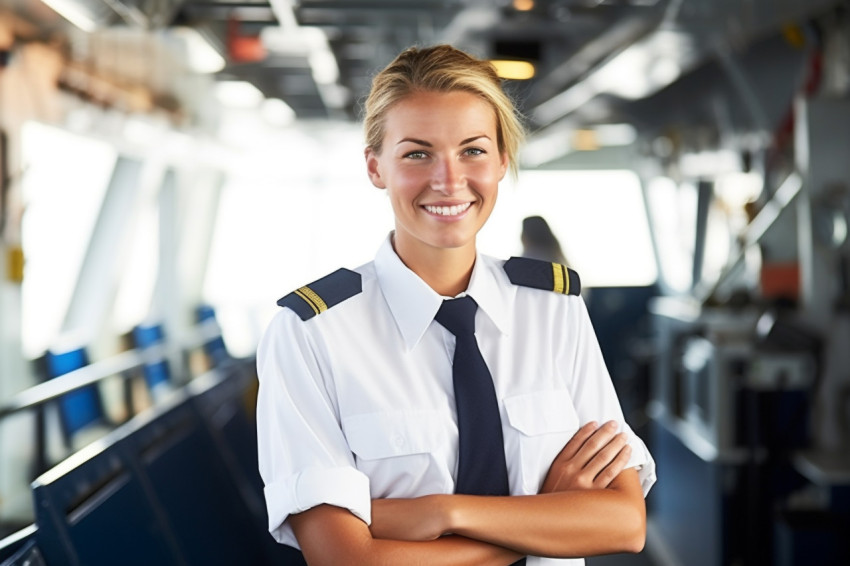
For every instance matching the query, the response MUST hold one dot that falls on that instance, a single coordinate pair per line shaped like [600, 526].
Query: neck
[446, 271]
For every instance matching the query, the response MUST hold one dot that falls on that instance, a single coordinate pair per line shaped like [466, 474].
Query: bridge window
[599, 217]
[64, 184]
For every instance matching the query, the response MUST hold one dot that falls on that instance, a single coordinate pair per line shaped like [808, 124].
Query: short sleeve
[593, 393]
[304, 459]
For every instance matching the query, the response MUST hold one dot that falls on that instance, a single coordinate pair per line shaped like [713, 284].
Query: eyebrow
[428, 144]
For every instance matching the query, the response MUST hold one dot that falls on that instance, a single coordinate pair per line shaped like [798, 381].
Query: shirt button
[398, 440]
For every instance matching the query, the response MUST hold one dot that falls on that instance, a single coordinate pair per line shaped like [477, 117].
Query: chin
[442, 237]
[451, 243]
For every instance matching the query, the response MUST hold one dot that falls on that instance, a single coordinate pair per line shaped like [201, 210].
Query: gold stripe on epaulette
[558, 276]
[314, 300]
[307, 300]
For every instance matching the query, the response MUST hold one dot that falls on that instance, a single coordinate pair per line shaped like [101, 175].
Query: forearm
[330, 536]
[448, 550]
[564, 524]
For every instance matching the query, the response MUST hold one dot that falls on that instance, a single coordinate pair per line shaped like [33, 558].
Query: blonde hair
[441, 68]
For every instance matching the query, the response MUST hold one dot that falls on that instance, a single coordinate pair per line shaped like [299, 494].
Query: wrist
[448, 512]
[455, 511]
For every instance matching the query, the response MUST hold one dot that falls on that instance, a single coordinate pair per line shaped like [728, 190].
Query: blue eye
[474, 151]
[415, 155]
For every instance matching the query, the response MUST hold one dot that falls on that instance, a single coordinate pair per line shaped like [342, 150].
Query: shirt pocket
[402, 452]
[542, 422]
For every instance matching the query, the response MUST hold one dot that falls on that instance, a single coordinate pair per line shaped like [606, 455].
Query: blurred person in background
[539, 242]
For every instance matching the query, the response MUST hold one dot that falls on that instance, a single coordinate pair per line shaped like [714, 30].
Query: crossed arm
[588, 505]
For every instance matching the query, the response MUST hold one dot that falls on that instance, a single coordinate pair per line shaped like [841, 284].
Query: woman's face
[441, 165]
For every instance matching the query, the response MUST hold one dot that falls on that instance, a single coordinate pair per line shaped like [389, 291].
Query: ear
[372, 168]
[503, 165]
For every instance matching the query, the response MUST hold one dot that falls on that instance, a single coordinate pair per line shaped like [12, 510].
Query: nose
[447, 176]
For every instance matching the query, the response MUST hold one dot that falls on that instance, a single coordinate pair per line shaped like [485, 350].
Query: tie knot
[458, 315]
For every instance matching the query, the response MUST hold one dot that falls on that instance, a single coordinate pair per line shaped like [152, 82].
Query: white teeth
[448, 210]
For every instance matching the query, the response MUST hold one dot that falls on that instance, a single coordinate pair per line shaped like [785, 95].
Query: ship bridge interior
[170, 168]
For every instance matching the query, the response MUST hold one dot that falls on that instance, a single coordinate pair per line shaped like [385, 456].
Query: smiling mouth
[454, 210]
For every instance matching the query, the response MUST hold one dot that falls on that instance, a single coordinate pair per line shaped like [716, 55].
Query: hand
[417, 519]
[592, 458]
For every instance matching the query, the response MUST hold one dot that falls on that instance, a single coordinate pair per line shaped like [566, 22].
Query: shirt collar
[492, 290]
[414, 304]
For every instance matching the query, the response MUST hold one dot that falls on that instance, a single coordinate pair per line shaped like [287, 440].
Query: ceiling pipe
[320, 57]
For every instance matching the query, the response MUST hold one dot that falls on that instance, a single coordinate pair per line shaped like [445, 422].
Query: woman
[361, 424]
[539, 242]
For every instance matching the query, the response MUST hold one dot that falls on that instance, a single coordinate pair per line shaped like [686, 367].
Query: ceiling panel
[567, 40]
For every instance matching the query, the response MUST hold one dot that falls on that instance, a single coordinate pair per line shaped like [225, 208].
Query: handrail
[124, 365]
[758, 227]
[784, 195]
[77, 379]
[17, 537]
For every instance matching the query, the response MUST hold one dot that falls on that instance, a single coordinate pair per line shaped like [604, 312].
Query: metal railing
[35, 399]
[126, 365]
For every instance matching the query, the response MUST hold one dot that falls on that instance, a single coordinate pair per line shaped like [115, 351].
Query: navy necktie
[481, 467]
[481, 460]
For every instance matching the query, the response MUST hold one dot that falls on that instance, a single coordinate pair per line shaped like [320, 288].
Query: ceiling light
[517, 70]
[523, 5]
[311, 43]
[564, 138]
[75, 13]
[737, 188]
[565, 102]
[277, 112]
[334, 95]
[585, 140]
[638, 71]
[200, 56]
[141, 131]
[646, 66]
[284, 42]
[603, 135]
[547, 146]
[709, 164]
[615, 134]
[323, 65]
[238, 94]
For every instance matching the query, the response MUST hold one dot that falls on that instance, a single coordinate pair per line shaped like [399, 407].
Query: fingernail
[611, 424]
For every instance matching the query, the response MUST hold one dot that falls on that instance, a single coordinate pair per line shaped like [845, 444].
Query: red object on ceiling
[243, 48]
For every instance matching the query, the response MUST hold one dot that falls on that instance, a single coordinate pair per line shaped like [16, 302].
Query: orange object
[780, 280]
[243, 48]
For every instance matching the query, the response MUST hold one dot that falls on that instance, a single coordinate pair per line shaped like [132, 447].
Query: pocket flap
[395, 433]
[541, 412]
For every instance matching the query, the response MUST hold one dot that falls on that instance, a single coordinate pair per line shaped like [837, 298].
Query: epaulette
[543, 275]
[320, 295]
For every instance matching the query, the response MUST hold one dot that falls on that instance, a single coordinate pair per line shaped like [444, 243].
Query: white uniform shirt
[357, 402]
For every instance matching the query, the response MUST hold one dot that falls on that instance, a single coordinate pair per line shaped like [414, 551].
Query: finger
[605, 455]
[575, 443]
[597, 441]
[612, 470]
